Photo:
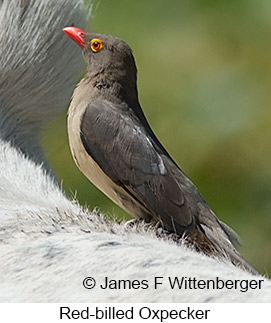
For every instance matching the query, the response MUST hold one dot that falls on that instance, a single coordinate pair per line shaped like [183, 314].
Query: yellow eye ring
[96, 45]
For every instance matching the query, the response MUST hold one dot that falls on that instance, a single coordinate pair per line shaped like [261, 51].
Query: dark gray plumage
[114, 146]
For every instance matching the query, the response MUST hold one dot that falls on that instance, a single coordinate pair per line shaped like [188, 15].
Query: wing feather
[116, 140]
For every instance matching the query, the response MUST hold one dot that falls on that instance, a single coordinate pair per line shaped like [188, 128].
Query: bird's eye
[96, 45]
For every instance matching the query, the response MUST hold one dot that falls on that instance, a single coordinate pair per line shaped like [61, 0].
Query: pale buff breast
[85, 162]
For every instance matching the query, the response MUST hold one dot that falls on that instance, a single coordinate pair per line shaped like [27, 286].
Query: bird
[114, 146]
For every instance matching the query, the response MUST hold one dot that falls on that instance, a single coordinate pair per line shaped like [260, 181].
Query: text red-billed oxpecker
[114, 146]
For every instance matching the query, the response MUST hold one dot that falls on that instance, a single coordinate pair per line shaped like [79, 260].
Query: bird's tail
[215, 244]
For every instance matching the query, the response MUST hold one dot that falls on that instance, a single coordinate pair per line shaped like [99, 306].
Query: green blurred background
[204, 83]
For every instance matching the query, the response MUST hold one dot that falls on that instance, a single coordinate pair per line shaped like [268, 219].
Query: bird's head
[105, 55]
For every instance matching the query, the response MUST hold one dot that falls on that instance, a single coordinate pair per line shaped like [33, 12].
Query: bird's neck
[120, 89]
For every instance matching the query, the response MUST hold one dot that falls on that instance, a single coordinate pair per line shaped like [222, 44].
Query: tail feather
[224, 248]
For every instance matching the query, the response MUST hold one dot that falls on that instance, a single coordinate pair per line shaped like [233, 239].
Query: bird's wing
[124, 151]
[116, 140]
